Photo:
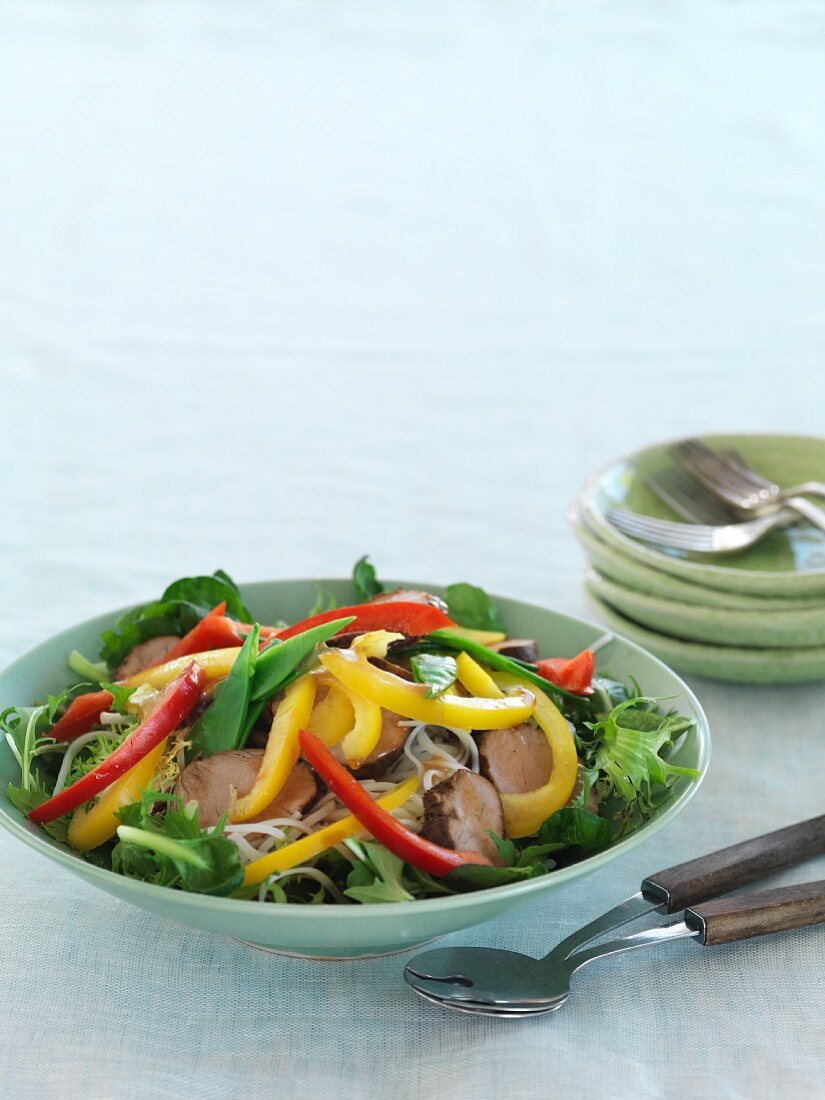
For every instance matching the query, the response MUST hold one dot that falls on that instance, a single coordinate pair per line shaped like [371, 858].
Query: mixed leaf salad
[400, 747]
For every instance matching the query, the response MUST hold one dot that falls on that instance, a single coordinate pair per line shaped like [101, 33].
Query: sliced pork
[515, 760]
[461, 812]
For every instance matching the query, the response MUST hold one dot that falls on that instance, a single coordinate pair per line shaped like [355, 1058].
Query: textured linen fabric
[282, 284]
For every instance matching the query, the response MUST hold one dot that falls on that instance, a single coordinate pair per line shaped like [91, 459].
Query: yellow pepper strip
[483, 637]
[476, 679]
[410, 700]
[332, 718]
[292, 855]
[281, 753]
[216, 663]
[90, 828]
[524, 813]
[363, 736]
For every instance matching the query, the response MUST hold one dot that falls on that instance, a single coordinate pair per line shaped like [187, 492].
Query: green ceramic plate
[717, 625]
[733, 664]
[344, 932]
[790, 562]
[626, 571]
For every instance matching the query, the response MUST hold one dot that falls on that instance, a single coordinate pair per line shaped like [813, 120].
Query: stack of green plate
[754, 616]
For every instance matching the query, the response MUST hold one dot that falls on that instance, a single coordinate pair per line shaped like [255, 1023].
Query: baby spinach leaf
[206, 592]
[471, 607]
[280, 659]
[364, 580]
[221, 726]
[182, 605]
[438, 673]
[573, 827]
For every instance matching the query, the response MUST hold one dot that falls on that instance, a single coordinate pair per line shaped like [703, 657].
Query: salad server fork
[462, 973]
[700, 538]
[719, 921]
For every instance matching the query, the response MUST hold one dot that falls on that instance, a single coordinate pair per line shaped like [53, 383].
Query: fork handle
[725, 920]
[809, 511]
[730, 868]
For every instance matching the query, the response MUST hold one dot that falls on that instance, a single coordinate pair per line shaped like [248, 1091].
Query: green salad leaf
[470, 606]
[438, 673]
[181, 607]
[377, 876]
[26, 798]
[173, 850]
[627, 749]
[364, 580]
[575, 827]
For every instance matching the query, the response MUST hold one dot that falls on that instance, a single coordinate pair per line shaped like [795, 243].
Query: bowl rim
[586, 499]
[35, 838]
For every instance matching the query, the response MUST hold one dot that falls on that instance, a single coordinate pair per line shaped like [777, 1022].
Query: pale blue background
[285, 283]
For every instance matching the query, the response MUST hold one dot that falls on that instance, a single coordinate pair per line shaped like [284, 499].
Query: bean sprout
[305, 872]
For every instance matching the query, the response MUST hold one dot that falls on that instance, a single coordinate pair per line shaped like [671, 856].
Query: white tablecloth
[281, 284]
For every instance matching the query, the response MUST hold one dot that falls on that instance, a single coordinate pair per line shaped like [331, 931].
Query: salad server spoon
[471, 976]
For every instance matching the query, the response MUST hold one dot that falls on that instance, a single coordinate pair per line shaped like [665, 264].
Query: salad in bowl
[394, 747]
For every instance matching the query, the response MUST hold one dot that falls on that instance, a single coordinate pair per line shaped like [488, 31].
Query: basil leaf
[438, 673]
[471, 607]
[364, 580]
[221, 726]
[279, 660]
[573, 827]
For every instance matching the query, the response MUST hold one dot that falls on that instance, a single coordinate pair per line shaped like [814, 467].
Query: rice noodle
[305, 872]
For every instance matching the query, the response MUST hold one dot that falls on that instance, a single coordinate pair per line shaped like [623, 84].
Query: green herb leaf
[324, 601]
[221, 726]
[630, 758]
[475, 876]
[438, 673]
[378, 876]
[120, 697]
[471, 607]
[280, 660]
[173, 850]
[364, 580]
[207, 592]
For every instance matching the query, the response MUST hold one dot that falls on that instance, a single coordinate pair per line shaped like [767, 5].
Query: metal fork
[731, 479]
[697, 537]
[687, 498]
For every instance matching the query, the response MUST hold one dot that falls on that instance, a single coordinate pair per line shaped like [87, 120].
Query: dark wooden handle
[737, 866]
[725, 920]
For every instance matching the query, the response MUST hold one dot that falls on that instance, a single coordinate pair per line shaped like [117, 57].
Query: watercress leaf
[471, 607]
[277, 662]
[221, 726]
[573, 827]
[206, 592]
[438, 673]
[364, 580]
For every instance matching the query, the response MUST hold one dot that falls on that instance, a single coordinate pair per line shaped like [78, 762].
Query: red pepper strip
[82, 713]
[175, 703]
[399, 616]
[413, 849]
[574, 674]
[214, 631]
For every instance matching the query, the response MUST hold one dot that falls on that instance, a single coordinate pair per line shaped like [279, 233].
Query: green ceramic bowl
[788, 562]
[333, 932]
